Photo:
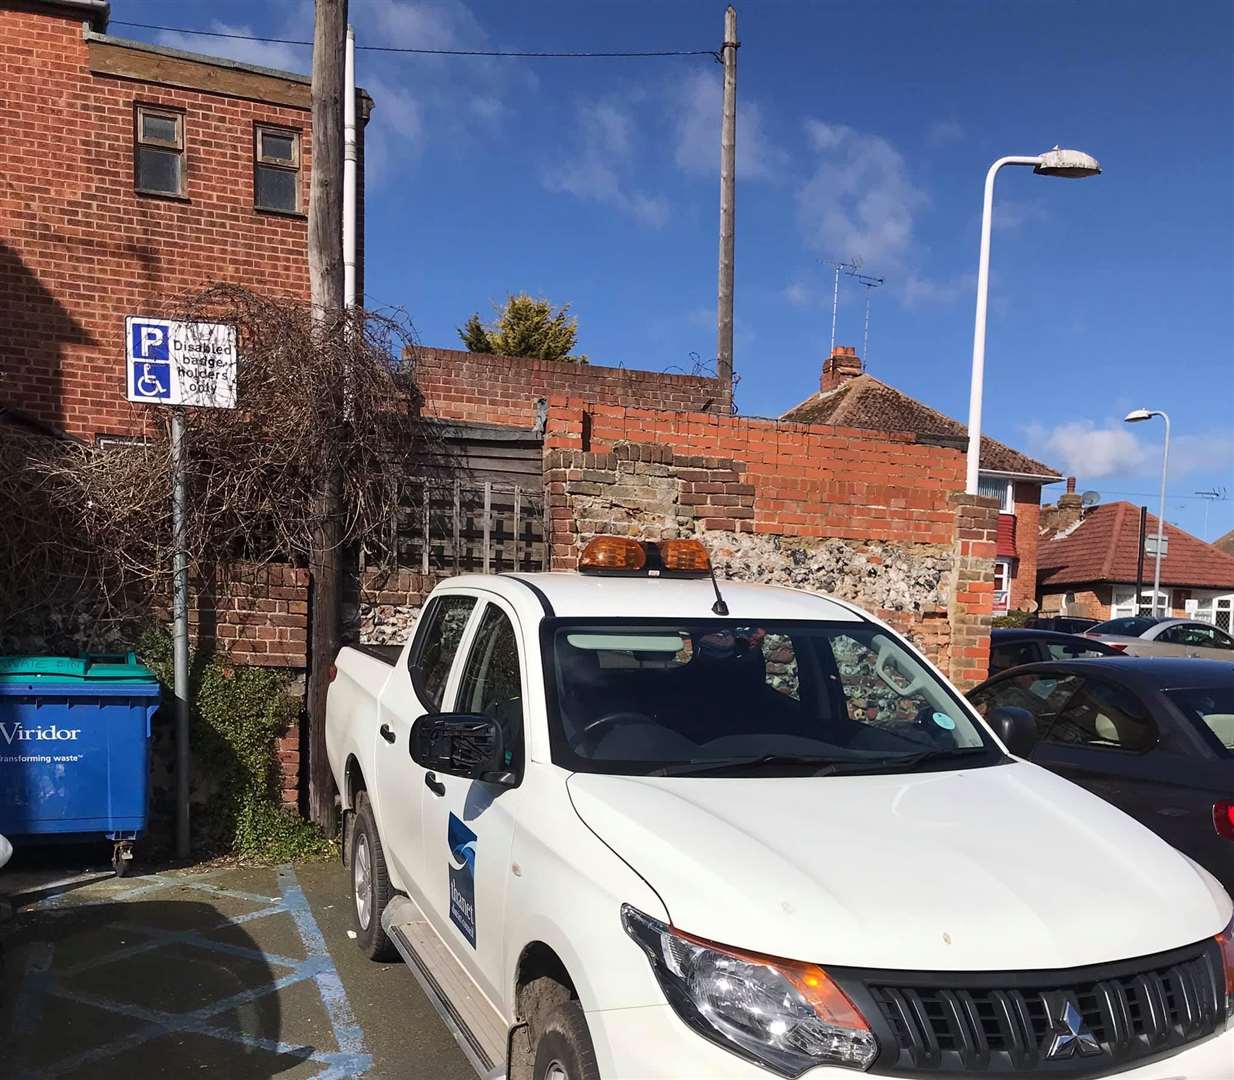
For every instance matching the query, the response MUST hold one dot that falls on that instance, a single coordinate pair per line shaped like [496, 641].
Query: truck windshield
[721, 698]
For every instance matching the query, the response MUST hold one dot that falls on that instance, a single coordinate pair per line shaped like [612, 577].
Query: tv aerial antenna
[1090, 498]
[853, 268]
[1210, 496]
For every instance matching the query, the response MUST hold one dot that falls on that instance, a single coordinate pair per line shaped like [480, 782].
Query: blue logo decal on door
[462, 878]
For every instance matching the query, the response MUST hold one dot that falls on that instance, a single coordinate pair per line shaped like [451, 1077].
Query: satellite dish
[1090, 498]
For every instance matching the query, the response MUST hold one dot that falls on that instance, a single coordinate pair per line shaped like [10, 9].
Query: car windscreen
[645, 697]
[1212, 707]
[1134, 626]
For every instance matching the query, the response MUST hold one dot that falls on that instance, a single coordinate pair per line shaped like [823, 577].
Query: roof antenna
[719, 607]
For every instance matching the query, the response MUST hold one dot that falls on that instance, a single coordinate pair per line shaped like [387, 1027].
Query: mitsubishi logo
[1070, 1035]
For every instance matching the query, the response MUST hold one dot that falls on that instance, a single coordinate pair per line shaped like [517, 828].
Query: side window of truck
[437, 640]
[492, 681]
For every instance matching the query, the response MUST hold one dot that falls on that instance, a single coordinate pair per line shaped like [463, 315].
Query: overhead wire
[512, 53]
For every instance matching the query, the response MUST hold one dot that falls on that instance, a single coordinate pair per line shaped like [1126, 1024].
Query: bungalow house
[850, 397]
[1087, 560]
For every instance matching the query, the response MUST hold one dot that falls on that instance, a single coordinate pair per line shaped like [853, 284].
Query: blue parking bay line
[42, 983]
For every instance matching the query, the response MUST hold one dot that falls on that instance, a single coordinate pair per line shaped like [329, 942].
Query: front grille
[987, 1024]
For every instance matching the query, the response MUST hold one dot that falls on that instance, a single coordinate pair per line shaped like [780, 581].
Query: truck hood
[1001, 868]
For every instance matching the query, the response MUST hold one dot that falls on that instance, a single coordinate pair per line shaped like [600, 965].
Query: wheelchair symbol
[148, 384]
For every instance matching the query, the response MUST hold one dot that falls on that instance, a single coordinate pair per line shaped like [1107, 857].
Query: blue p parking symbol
[149, 359]
[150, 341]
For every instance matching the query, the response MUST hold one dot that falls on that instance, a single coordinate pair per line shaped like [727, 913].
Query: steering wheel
[603, 723]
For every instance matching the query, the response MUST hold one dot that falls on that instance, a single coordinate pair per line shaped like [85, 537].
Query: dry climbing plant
[91, 525]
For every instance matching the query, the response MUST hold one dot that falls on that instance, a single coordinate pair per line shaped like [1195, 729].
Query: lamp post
[1072, 164]
[1137, 416]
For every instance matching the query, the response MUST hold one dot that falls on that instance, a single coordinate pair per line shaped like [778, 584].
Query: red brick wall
[885, 497]
[258, 614]
[80, 249]
[813, 480]
[490, 389]
[1027, 498]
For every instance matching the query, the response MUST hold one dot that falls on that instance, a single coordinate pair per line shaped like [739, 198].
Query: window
[634, 697]
[1196, 636]
[437, 640]
[1211, 706]
[1012, 655]
[997, 487]
[1133, 627]
[159, 158]
[276, 181]
[1042, 694]
[1103, 715]
[1124, 602]
[492, 681]
[1002, 583]
[1077, 650]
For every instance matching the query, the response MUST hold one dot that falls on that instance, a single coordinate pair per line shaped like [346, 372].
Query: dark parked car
[1013, 647]
[1064, 624]
[1154, 736]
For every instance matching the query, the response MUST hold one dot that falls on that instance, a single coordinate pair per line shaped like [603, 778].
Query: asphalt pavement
[240, 973]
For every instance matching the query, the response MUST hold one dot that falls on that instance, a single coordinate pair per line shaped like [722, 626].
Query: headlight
[1226, 940]
[782, 1014]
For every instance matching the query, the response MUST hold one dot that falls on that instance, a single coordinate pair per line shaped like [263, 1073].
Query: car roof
[1026, 633]
[574, 595]
[1161, 672]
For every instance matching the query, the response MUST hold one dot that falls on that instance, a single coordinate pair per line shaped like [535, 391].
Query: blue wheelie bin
[75, 749]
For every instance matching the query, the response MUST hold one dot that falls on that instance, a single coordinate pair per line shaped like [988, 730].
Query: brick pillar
[971, 606]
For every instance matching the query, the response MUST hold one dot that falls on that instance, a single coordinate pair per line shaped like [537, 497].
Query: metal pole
[180, 632]
[865, 341]
[1165, 460]
[349, 170]
[728, 167]
[983, 291]
[1139, 561]
[835, 309]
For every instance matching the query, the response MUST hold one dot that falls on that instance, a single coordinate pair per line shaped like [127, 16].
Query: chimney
[1067, 512]
[843, 364]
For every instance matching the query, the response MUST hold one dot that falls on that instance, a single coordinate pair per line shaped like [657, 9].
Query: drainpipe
[349, 171]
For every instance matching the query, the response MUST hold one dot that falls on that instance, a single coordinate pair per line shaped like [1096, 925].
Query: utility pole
[728, 169]
[325, 237]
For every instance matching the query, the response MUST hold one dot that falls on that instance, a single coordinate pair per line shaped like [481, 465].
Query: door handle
[433, 784]
[385, 732]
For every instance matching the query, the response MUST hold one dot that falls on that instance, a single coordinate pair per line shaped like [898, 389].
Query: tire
[370, 886]
[564, 1050]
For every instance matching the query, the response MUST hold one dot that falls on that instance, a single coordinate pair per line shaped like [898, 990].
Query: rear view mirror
[470, 745]
[1015, 727]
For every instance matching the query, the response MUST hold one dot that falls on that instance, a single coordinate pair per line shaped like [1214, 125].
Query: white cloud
[920, 290]
[1081, 448]
[798, 294]
[297, 58]
[696, 103]
[944, 132]
[1012, 214]
[599, 166]
[860, 201]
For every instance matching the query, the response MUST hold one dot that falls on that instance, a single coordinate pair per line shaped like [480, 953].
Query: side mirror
[1015, 727]
[470, 745]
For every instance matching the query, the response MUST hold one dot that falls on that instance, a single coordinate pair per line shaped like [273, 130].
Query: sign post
[178, 364]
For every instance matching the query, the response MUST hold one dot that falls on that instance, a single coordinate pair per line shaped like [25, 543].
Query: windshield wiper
[824, 765]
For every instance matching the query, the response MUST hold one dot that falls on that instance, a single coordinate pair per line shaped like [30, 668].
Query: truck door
[469, 824]
[415, 688]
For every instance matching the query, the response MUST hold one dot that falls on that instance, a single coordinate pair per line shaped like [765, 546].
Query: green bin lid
[109, 667]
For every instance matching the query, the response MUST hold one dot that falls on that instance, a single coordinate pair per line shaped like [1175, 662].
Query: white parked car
[1146, 635]
[620, 826]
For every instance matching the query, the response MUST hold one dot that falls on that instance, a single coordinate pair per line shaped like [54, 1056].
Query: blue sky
[864, 130]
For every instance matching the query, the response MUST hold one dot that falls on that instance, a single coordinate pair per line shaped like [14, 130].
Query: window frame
[421, 639]
[467, 650]
[180, 146]
[1006, 501]
[1006, 565]
[261, 127]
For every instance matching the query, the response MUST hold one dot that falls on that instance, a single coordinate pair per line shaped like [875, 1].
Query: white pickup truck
[621, 827]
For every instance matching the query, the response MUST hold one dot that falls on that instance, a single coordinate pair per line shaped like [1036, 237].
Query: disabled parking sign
[180, 363]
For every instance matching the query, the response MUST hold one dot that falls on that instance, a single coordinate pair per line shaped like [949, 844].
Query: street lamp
[1136, 416]
[1072, 164]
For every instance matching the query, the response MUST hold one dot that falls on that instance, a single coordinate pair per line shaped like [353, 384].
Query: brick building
[132, 176]
[850, 397]
[1088, 560]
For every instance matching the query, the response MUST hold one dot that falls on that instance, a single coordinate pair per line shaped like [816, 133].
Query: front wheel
[564, 1050]
[370, 887]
